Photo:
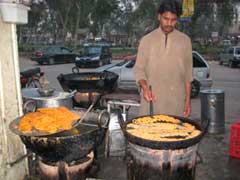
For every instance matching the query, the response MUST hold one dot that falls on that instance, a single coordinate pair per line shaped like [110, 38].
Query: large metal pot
[101, 82]
[70, 146]
[162, 144]
[31, 96]
[161, 160]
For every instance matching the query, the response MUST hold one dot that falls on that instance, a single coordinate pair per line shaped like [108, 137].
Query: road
[215, 165]
[223, 77]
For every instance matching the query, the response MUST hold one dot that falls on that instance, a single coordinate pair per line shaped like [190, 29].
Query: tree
[103, 9]
[207, 18]
[60, 9]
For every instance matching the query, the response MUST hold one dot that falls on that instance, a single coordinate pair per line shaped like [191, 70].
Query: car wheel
[195, 88]
[75, 69]
[51, 61]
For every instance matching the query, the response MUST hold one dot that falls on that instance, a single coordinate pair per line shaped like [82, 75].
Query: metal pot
[84, 99]
[73, 145]
[162, 144]
[32, 97]
[101, 82]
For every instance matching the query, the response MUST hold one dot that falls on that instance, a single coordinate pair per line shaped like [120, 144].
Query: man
[164, 62]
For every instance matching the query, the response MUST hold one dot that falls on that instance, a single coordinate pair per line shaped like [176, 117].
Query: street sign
[187, 8]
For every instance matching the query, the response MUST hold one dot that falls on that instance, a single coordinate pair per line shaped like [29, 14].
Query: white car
[201, 73]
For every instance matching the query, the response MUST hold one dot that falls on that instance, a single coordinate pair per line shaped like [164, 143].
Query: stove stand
[61, 170]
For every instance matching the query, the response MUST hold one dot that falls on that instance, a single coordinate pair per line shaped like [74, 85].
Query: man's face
[168, 21]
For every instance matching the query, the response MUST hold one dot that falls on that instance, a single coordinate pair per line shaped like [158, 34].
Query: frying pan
[64, 132]
[67, 145]
[73, 145]
[101, 82]
[165, 144]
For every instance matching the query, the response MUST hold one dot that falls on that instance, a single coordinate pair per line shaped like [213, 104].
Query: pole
[11, 147]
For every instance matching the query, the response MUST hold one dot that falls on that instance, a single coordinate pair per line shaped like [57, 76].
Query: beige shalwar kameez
[165, 62]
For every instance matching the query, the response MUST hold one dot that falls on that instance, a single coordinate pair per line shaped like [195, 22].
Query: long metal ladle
[151, 104]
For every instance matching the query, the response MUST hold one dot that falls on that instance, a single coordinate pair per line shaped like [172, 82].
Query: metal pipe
[11, 164]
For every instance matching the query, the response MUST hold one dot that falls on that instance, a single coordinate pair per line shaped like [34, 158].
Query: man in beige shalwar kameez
[164, 62]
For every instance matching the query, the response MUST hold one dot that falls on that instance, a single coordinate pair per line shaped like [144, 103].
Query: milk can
[212, 109]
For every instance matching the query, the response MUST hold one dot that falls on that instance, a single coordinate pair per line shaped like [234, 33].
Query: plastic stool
[234, 147]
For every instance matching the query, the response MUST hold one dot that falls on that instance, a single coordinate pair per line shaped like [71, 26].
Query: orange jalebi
[48, 120]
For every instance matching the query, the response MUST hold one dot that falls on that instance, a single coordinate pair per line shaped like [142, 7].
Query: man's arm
[187, 107]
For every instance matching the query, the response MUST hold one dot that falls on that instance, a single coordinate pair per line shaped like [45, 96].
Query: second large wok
[101, 82]
[165, 144]
[71, 146]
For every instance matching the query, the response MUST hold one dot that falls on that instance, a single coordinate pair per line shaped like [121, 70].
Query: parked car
[54, 55]
[230, 57]
[94, 56]
[201, 73]
[226, 42]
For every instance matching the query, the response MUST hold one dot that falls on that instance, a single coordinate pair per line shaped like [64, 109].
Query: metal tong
[151, 104]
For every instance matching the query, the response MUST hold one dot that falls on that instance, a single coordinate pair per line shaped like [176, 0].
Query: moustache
[168, 27]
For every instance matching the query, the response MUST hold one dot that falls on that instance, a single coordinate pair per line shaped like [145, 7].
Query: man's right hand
[147, 93]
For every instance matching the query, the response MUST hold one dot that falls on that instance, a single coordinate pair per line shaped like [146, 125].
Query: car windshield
[52, 50]
[198, 62]
[92, 50]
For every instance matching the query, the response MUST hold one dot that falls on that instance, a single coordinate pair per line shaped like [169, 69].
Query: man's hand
[147, 93]
[187, 110]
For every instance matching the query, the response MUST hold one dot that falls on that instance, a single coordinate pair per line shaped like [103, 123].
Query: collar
[161, 31]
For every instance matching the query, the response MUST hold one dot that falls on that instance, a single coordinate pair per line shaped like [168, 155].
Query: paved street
[216, 164]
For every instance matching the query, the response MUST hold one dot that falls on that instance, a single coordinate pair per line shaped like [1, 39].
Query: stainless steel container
[116, 142]
[212, 109]
[32, 98]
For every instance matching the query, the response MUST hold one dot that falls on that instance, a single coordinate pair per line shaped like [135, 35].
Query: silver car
[201, 73]
[230, 56]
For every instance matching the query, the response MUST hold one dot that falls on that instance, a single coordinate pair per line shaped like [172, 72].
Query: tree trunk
[77, 24]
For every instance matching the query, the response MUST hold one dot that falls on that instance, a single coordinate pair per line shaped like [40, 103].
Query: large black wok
[72, 145]
[101, 82]
[181, 144]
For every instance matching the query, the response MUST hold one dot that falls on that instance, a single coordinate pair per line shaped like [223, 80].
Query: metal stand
[115, 140]
[126, 105]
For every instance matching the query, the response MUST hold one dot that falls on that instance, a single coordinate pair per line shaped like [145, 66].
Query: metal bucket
[32, 99]
[212, 109]
[154, 164]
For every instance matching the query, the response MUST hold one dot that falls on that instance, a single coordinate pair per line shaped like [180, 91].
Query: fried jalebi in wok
[48, 120]
[162, 128]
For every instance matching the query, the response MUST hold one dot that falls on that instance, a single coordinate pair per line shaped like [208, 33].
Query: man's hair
[174, 6]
